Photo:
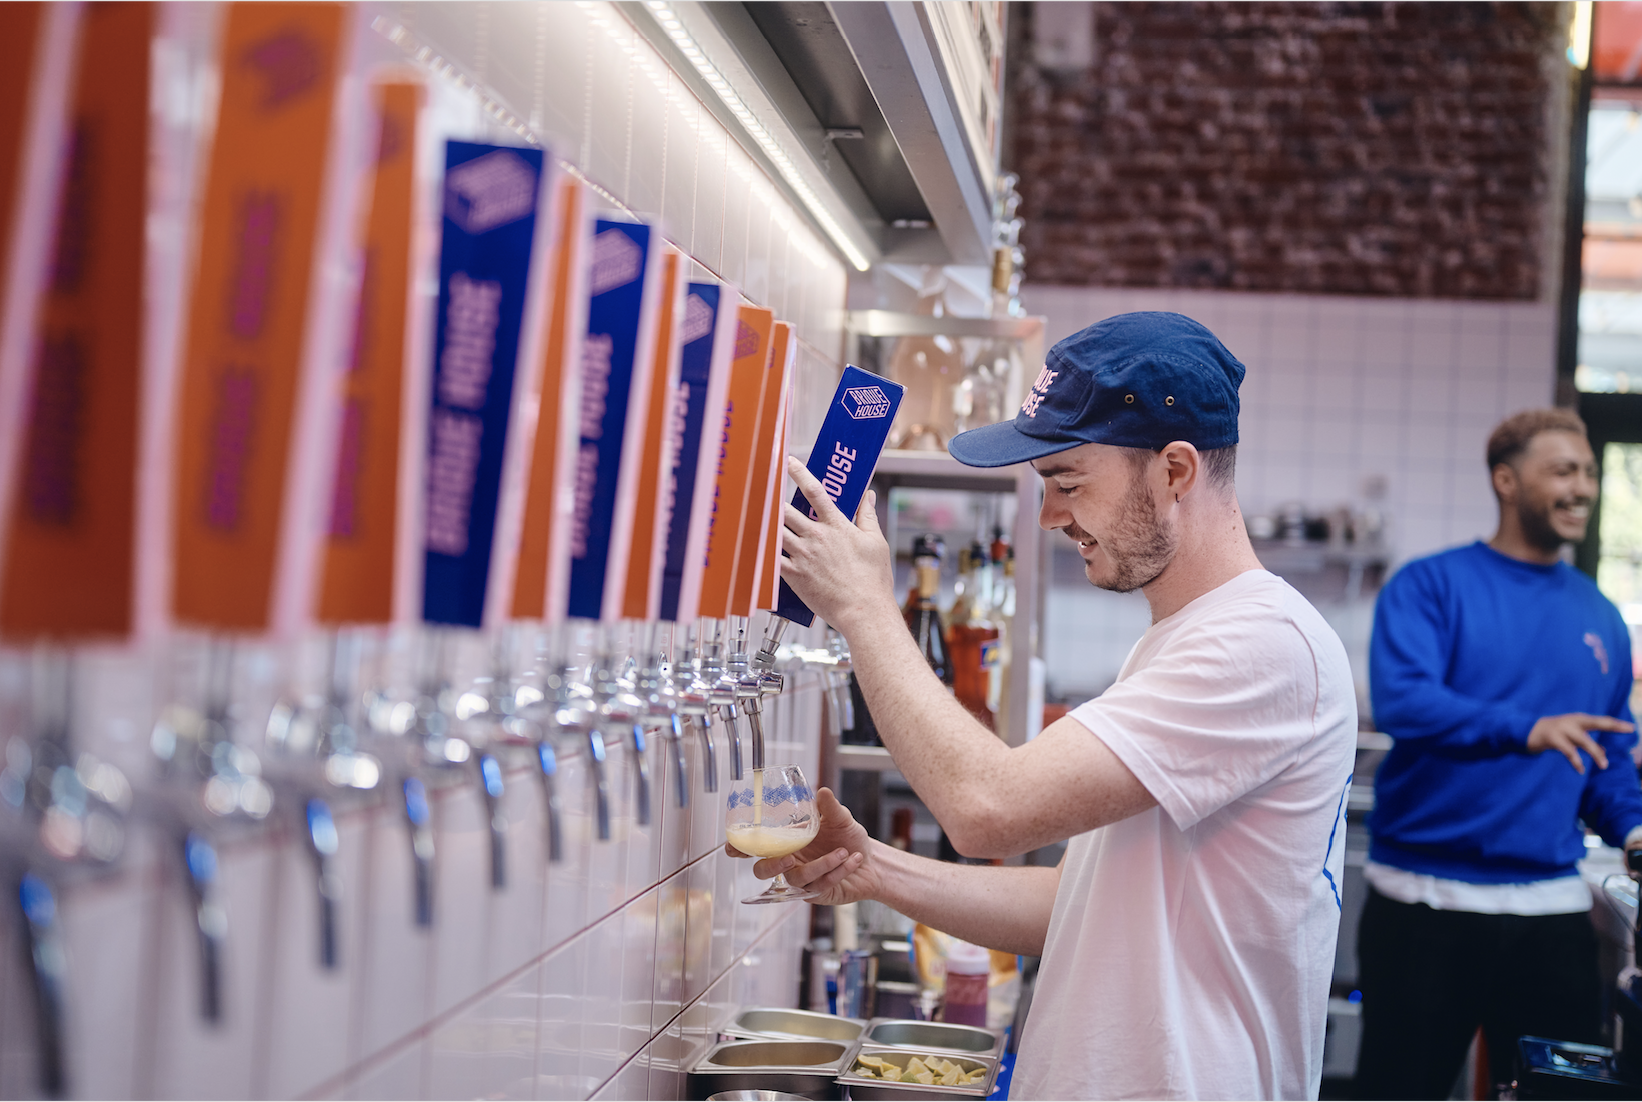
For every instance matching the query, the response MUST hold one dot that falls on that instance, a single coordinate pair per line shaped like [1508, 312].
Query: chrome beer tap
[695, 704]
[619, 709]
[748, 689]
[657, 687]
[721, 693]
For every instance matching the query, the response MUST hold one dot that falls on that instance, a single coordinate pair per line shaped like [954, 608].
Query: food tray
[805, 1025]
[810, 1068]
[938, 1037]
[863, 1089]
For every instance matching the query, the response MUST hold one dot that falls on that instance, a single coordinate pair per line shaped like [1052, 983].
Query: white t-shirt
[1191, 946]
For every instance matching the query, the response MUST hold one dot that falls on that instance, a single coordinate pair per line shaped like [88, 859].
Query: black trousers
[1429, 978]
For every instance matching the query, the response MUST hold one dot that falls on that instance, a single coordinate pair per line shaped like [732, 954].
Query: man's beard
[1139, 547]
[1534, 517]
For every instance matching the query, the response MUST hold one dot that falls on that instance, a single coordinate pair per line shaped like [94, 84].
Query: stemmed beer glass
[771, 814]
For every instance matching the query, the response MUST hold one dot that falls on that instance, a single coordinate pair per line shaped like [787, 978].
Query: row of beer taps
[583, 689]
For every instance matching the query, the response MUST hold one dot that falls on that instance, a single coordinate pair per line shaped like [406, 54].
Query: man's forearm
[998, 907]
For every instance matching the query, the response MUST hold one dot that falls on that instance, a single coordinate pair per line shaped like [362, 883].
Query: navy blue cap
[1135, 380]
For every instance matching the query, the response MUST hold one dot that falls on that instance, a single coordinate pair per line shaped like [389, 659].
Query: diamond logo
[865, 403]
[698, 319]
[617, 261]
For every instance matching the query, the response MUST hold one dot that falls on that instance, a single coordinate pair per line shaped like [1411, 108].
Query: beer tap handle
[709, 754]
[323, 844]
[642, 776]
[549, 763]
[601, 782]
[200, 863]
[47, 968]
[490, 786]
[419, 818]
[727, 713]
[773, 631]
[755, 724]
[675, 747]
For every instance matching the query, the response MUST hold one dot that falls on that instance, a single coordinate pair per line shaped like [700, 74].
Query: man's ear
[1504, 477]
[1183, 466]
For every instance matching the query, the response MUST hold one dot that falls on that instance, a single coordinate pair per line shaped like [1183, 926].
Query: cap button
[1169, 401]
[1130, 398]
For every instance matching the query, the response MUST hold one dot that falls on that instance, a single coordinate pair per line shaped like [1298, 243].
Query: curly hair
[1512, 436]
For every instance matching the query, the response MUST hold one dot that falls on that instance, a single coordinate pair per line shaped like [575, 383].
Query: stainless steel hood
[871, 104]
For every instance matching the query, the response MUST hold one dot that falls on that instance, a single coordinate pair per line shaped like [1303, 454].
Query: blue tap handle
[549, 763]
[323, 843]
[601, 783]
[675, 747]
[47, 968]
[642, 779]
[491, 785]
[419, 818]
[200, 862]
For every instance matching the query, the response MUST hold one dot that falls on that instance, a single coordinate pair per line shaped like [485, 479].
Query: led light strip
[664, 15]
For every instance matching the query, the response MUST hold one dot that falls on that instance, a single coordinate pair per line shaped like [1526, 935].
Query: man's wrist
[1633, 840]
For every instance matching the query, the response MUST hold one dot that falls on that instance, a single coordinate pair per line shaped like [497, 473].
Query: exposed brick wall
[1390, 149]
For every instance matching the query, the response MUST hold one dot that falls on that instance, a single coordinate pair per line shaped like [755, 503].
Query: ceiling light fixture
[669, 22]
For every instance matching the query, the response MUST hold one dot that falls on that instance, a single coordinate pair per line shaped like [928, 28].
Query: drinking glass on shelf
[771, 814]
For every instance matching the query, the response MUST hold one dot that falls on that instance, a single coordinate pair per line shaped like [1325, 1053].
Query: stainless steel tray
[806, 1025]
[810, 1068]
[863, 1089]
[932, 1036]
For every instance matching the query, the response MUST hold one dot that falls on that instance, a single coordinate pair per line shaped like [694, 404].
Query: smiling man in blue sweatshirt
[1504, 676]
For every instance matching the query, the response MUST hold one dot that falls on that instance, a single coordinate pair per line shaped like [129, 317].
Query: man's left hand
[842, 570]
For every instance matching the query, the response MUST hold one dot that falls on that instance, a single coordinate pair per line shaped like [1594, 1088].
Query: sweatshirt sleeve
[1413, 637]
[1611, 804]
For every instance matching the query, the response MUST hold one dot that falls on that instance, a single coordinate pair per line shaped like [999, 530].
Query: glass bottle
[972, 637]
[997, 695]
[924, 618]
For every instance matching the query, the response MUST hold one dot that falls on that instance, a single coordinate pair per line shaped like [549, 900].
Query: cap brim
[1002, 445]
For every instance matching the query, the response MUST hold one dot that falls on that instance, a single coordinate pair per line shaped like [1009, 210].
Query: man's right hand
[1569, 734]
[835, 864]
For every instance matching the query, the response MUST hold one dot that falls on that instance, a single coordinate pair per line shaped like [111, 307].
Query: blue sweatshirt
[1470, 648]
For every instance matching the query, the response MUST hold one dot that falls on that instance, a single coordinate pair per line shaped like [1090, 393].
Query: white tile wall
[1339, 390]
[595, 977]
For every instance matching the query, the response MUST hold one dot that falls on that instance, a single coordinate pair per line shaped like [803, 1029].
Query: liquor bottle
[1004, 605]
[923, 618]
[972, 637]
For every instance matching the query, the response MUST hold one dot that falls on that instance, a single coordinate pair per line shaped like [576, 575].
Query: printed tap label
[490, 201]
[653, 505]
[846, 452]
[68, 558]
[708, 336]
[617, 362]
[754, 329]
[766, 469]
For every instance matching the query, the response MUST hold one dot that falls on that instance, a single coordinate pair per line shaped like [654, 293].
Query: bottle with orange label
[972, 635]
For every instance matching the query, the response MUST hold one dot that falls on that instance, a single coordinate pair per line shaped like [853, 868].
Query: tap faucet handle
[548, 760]
[323, 843]
[419, 820]
[727, 713]
[491, 789]
[765, 659]
[48, 967]
[601, 782]
[641, 777]
[675, 749]
[210, 920]
[709, 755]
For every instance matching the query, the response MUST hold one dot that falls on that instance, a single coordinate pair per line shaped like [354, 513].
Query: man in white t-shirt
[1188, 935]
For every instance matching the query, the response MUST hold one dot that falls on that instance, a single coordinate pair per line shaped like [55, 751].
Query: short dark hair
[1219, 464]
[1512, 436]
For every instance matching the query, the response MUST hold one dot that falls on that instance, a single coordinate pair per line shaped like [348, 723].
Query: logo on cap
[865, 403]
[1040, 391]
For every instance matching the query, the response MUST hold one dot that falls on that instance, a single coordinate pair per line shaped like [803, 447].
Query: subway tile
[396, 959]
[671, 943]
[707, 808]
[105, 946]
[650, 150]
[602, 988]
[397, 1075]
[511, 61]
[309, 1005]
[678, 199]
[699, 903]
[567, 881]
[564, 80]
[673, 834]
[515, 917]
[462, 891]
[559, 1037]
[610, 78]
[725, 905]
[669, 1058]
[712, 183]
[757, 279]
[458, 1055]
[738, 181]
[638, 972]
[193, 1058]
[644, 839]
[631, 1081]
